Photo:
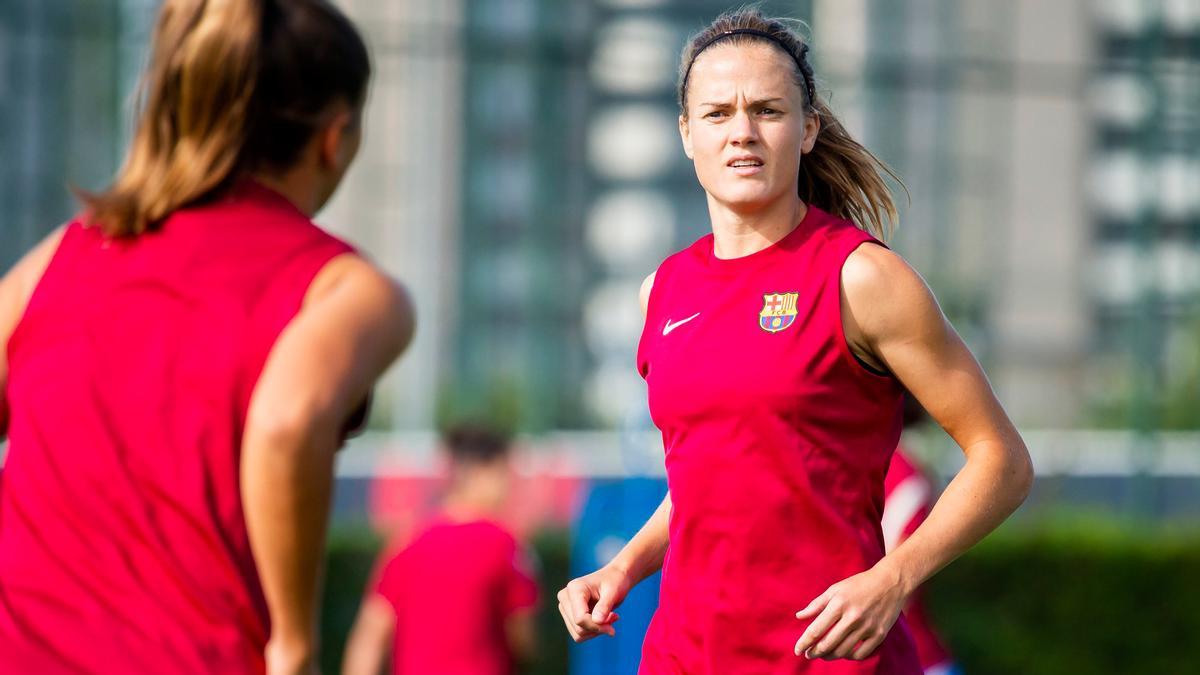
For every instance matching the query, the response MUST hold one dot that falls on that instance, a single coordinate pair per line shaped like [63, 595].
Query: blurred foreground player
[185, 357]
[459, 598]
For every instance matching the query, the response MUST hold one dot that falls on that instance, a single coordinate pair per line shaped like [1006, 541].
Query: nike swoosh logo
[672, 326]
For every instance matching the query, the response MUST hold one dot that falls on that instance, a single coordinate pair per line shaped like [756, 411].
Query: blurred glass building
[535, 144]
[67, 71]
[1144, 189]
[522, 173]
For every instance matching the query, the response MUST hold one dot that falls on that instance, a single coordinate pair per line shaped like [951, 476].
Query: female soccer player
[776, 351]
[459, 598]
[183, 359]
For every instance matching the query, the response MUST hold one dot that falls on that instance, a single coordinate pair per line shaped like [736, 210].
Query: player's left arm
[369, 645]
[16, 287]
[521, 600]
[520, 633]
[892, 320]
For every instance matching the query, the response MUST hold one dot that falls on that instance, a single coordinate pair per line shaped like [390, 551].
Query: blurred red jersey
[908, 498]
[777, 440]
[452, 589]
[124, 548]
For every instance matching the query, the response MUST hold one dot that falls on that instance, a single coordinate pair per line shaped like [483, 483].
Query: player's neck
[738, 233]
[297, 185]
[461, 507]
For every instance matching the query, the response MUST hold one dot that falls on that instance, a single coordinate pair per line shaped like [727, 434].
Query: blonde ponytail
[845, 179]
[231, 86]
[195, 100]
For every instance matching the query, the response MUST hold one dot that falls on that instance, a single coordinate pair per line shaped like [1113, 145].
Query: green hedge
[348, 565]
[1078, 597]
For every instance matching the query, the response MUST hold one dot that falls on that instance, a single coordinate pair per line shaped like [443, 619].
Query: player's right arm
[354, 322]
[16, 287]
[587, 603]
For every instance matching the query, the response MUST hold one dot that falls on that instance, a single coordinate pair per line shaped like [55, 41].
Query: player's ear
[685, 134]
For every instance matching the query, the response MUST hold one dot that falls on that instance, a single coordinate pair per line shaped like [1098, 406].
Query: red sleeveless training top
[777, 441]
[123, 546]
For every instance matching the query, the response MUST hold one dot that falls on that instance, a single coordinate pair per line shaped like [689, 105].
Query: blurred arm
[16, 287]
[892, 319]
[354, 323]
[643, 555]
[520, 631]
[370, 641]
[586, 603]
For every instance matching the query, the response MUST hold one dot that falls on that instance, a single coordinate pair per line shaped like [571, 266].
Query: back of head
[839, 175]
[231, 86]
[472, 443]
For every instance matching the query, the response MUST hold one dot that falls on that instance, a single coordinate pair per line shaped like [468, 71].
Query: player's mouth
[745, 165]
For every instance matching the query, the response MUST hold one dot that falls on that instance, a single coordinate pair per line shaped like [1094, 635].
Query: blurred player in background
[459, 598]
[186, 356]
[909, 496]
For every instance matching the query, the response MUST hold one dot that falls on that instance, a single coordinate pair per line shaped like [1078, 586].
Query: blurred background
[522, 174]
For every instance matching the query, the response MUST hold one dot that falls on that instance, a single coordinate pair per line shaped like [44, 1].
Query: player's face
[746, 127]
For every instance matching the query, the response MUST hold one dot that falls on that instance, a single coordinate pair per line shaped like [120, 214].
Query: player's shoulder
[644, 291]
[875, 272]
[351, 278]
[352, 268]
[695, 253]
[497, 532]
[29, 268]
[498, 538]
[681, 260]
[871, 264]
[887, 296]
[17, 285]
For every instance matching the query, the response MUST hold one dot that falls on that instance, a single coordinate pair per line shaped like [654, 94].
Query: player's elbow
[403, 313]
[292, 427]
[1019, 472]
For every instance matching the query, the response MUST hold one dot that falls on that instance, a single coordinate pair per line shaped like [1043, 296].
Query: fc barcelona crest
[778, 312]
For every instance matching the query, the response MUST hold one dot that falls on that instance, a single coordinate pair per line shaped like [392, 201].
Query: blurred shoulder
[351, 278]
[17, 285]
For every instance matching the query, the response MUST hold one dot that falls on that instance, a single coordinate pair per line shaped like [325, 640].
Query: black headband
[799, 59]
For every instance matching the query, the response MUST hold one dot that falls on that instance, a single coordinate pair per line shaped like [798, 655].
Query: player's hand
[853, 616]
[587, 603]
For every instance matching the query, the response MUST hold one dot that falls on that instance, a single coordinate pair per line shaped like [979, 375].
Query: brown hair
[839, 175]
[231, 86]
[473, 442]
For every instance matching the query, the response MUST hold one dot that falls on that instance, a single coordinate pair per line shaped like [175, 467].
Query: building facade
[522, 174]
